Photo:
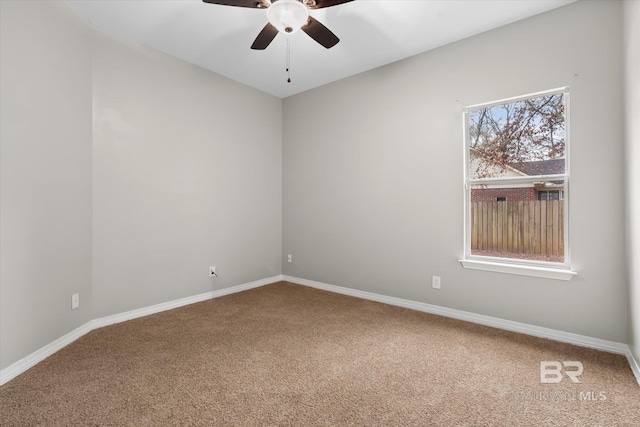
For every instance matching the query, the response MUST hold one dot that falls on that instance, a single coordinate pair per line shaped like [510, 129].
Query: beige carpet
[289, 355]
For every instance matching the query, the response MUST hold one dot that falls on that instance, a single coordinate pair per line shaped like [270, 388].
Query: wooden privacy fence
[533, 227]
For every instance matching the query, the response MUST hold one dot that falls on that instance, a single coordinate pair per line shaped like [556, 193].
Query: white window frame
[550, 270]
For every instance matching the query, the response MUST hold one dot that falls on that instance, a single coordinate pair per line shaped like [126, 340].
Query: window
[551, 195]
[516, 181]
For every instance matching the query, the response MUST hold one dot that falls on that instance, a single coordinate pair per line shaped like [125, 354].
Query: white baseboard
[37, 356]
[635, 366]
[12, 371]
[145, 311]
[523, 328]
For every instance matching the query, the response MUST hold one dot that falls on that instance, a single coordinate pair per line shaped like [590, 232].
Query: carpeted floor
[285, 354]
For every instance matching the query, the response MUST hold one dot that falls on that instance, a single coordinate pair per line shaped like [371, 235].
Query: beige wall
[373, 185]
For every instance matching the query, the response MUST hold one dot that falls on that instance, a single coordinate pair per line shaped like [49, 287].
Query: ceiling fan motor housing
[288, 15]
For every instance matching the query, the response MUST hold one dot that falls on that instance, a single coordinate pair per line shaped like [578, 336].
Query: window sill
[521, 270]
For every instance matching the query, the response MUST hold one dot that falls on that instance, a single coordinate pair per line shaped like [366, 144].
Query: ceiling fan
[288, 16]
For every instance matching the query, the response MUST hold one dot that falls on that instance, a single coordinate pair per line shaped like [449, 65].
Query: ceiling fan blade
[319, 4]
[239, 3]
[320, 33]
[265, 37]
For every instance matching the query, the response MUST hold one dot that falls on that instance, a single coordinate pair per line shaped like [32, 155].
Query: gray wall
[130, 209]
[187, 174]
[632, 156]
[373, 186]
[45, 192]
[125, 174]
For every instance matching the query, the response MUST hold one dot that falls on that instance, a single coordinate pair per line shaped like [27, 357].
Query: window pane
[516, 139]
[528, 224]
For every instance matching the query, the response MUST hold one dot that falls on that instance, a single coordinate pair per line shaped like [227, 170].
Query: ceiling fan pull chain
[288, 59]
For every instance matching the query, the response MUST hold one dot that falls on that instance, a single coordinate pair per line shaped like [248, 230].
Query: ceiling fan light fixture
[288, 15]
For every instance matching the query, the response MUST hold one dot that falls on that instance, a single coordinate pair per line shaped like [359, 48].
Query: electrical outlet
[435, 282]
[75, 301]
[212, 271]
[289, 258]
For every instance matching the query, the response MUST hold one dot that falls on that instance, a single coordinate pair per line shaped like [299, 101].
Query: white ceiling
[372, 33]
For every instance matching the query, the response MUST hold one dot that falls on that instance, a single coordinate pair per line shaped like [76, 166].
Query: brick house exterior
[528, 192]
[510, 194]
